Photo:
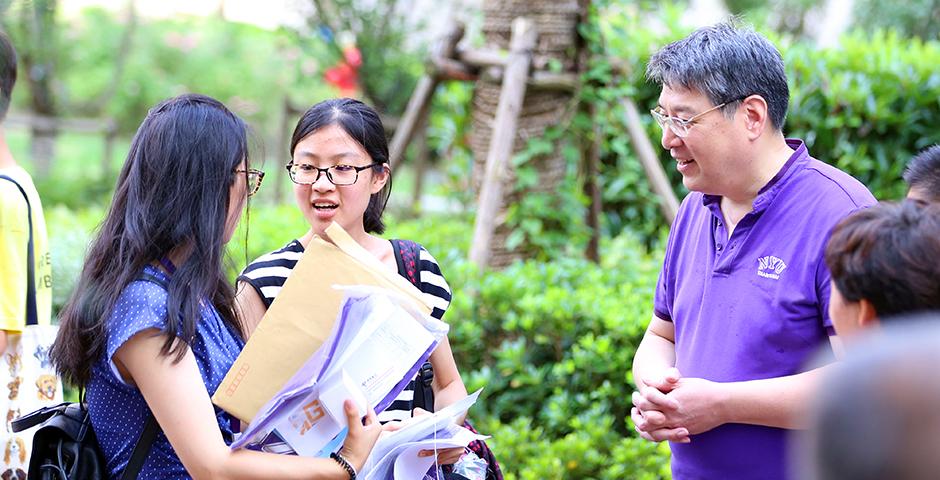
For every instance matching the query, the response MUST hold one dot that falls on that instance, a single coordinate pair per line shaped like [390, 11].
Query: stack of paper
[396, 454]
[301, 318]
[343, 326]
[379, 341]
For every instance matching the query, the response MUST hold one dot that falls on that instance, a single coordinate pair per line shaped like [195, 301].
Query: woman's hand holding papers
[445, 456]
[362, 435]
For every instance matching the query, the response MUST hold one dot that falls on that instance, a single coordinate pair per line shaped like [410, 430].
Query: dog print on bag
[12, 414]
[11, 474]
[15, 449]
[14, 387]
[46, 385]
[13, 361]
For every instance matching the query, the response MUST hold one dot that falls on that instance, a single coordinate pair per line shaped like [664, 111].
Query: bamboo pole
[280, 160]
[668, 202]
[420, 165]
[511, 96]
[481, 58]
[420, 100]
[591, 151]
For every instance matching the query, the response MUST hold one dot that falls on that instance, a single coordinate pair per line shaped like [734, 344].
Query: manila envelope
[301, 318]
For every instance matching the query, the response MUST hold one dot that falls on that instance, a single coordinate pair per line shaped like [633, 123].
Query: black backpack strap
[407, 257]
[424, 393]
[32, 317]
[149, 277]
[142, 449]
[138, 456]
[34, 418]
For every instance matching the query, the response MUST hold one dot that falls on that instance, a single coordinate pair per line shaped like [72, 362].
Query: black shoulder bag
[65, 446]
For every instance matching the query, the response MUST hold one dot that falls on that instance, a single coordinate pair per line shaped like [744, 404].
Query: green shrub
[868, 106]
[552, 343]
[70, 233]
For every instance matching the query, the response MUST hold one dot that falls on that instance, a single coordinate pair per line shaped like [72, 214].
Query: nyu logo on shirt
[770, 267]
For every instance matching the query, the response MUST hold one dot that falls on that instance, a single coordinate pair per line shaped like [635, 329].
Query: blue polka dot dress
[118, 411]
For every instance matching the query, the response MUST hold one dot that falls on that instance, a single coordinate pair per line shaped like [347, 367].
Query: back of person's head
[887, 255]
[363, 124]
[727, 64]
[8, 60]
[172, 194]
[877, 413]
[923, 175]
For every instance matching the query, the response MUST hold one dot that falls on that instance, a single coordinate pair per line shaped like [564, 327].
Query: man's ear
[867, 316]
[756, 115]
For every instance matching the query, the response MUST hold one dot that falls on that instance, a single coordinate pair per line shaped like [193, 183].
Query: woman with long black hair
[151, 330]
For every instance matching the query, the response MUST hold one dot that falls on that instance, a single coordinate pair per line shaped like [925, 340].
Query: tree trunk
[556, 22]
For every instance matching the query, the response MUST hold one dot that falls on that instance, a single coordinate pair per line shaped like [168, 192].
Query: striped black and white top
[268, 273]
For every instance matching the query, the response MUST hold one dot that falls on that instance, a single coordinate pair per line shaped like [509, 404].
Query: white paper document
[403, 461]
[395, 455]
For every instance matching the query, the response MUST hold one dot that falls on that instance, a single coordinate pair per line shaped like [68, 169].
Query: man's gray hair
[727, 64]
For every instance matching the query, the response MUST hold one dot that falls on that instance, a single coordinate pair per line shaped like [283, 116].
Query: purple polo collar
[769, 191]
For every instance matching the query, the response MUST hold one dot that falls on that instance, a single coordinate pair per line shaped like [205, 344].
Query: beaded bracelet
[345, 464]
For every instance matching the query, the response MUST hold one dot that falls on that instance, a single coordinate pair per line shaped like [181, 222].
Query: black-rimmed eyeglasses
[339, 175]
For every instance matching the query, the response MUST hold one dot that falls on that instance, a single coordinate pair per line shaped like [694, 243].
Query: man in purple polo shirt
[741, 303]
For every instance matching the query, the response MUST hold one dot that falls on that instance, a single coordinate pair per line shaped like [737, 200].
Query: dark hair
[362, 123]
[173, 192]
[7, 73]
[887, 254]
[923, 172]
[727, 64]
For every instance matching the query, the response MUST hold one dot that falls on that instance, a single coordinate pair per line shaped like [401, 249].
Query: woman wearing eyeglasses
[151, 328]
[339, 167]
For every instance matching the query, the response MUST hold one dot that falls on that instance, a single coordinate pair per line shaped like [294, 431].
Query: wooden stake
[280, 160]
[591, 150]
[420, 165]
[643, 148]
[511, 96]
[420, 100]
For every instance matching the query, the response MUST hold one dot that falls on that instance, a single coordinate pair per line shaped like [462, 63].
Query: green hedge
[552, 343]
[868, 106]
